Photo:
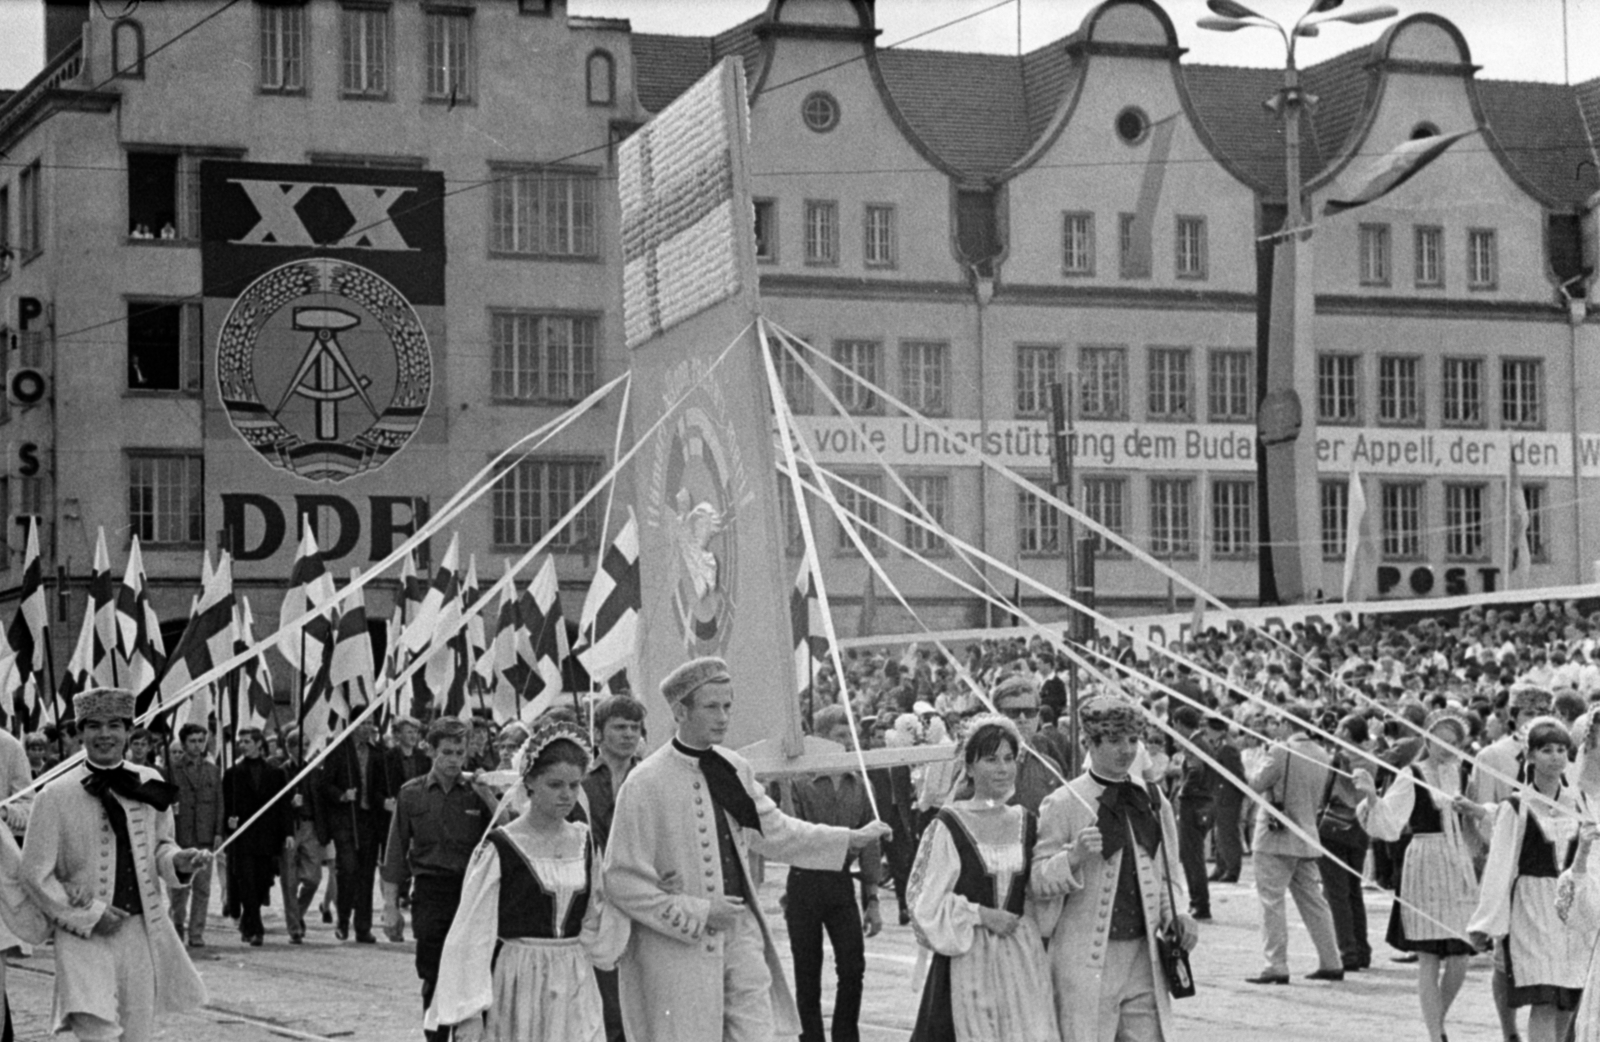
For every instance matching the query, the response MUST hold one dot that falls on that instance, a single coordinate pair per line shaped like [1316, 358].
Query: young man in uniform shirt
[199, 823]
[619, 721]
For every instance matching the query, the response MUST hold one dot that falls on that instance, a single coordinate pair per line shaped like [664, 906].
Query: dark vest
[527, 909]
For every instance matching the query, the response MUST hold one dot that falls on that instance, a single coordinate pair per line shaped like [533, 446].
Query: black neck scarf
[1126, 810]
[122, 780]
[727, 790]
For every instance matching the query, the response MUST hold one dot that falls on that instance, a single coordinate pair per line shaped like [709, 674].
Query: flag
[1358, 544]
[509, 662]
[476, 640]
[809, 649]
[250, 701]
[443, 674]
[103, 607]
[540, 607]
[1518, 522]
[310, 586]
[352, 671]
[421, 624]
[141, 653]
[208, 639]
[29, 633]
[80, 667]
[1393, 169]
[608, 626]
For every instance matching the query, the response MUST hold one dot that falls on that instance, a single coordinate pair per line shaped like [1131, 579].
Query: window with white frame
[543, 212]
[1172, 517]
[535, 494]
[1464, 522]
[1400, 518]
[163, 195]
[1374, 240]
[1338, 388]
[1077, 244]
[1038, 524]
[1232, 386]
[797, 389]
[364, 52]
[925, 376]
[1334, 510]
[447, 49]
[166, 498]
[1399, 390]
[766, 231]
[861, 501]
[164, 346]
[1483, 265]
[1103, 383]
[1106, 501]
[1429, 256]
[1191, 248]
[933, 492]
[862, 358]
[878, 250]
[1170, 396]
[822, 231]
[1463, 392]
[540, 357]
[1533, 496]
[1233, 518]
[1522, 392]
[283, 48]
[1036, 372]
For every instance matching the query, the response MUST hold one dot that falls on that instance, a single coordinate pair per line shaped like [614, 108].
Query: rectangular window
[1036, 372]
[1038, 525]
[537, 493]
[164, 346]
[1171, 517]
[879, 247]
[1233, 518]
[1134, 255]
[30, 496]
[1399, 390]
[1338, 388]
[822, 231]
[166, 499]
[1430, 256]
[545, 212]
[1374, 254]
[1483, 265]
[1401, 520]
[1522, 392]
[865, 512]
[1463, 392]
[925, 376]
[1077, 244]
[796, 381]
[933, 492]
[1191, 247]
[283, 48]
[767, 231]
[860, 357]
[364, 51]
[1103, 383]
[1170, 397]
[447, 44]
[1533, 496]
[30, 213]
[1334, 508]
[541, 357]
[1232, 386]
[163, 196]
[1106, 501]
[1463, 522]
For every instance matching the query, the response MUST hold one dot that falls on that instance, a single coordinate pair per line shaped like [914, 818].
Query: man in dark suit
[247, 787]
[1196, 790]
[1228, 802]
[354, 788]
[302, 854]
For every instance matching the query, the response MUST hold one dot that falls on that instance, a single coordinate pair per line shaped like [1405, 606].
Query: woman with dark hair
[969, 905]
[1535, 839]
[532, 924]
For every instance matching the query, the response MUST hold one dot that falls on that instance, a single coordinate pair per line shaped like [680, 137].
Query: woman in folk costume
[1535, 839]
[532, 924]
[1438, 886]
[969, 905]
[1107, 844]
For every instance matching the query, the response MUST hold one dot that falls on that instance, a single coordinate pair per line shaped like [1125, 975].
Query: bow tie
[127, 784]
[1126, 811]
[726, 787]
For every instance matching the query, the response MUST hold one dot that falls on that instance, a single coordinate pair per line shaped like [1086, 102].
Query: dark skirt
[1396, 936]
[935, 1018]
[1564, 999]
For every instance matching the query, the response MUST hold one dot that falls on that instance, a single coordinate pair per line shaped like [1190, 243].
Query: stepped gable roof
[967, 108]
[1541, 132]
[1048, 76]
[666, 66]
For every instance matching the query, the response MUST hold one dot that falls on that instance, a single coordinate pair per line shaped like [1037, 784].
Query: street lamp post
[1286, 418]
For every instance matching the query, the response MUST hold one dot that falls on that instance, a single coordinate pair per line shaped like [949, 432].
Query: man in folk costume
[1107, 846]
[701, 963]
[99, 846]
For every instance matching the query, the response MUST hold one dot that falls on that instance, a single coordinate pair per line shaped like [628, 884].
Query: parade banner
[711, 562]
[324, 297]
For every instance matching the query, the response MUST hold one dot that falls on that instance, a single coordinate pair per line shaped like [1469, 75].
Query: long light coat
[671, 974]
[1074, 907]
[70, 848]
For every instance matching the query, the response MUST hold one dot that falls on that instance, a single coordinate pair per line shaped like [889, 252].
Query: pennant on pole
[421, 625]
[208, 639]
[102, 607]
[141, 653]
[609, 623]
[29, 632]
[547, 632]
[1393, 169]
[1517, 524]
[1357, 540]
[353, 670]
[508, 665]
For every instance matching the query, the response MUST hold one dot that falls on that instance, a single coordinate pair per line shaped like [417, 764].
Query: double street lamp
[1286, 420]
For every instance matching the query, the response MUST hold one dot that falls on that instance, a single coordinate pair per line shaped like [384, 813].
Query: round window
[1132, 125]
[820, 111]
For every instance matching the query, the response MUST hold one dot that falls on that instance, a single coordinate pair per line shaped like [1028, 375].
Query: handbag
[1336, 823]
[1169, 944]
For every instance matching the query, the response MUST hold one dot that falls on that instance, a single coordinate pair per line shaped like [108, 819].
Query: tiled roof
[742, 41]
[1048, 75]
[1588, 95]
[967, 108]
[666, 66]
[1228, 102]
[1540, 128]
[1340, 85]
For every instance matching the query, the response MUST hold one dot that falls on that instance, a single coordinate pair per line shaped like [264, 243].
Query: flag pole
[300, 714]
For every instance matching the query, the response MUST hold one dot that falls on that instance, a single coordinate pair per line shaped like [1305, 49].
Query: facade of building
[402, 216]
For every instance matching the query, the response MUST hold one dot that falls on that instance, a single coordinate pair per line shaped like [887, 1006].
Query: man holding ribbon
[99, 845]
[701, 963]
